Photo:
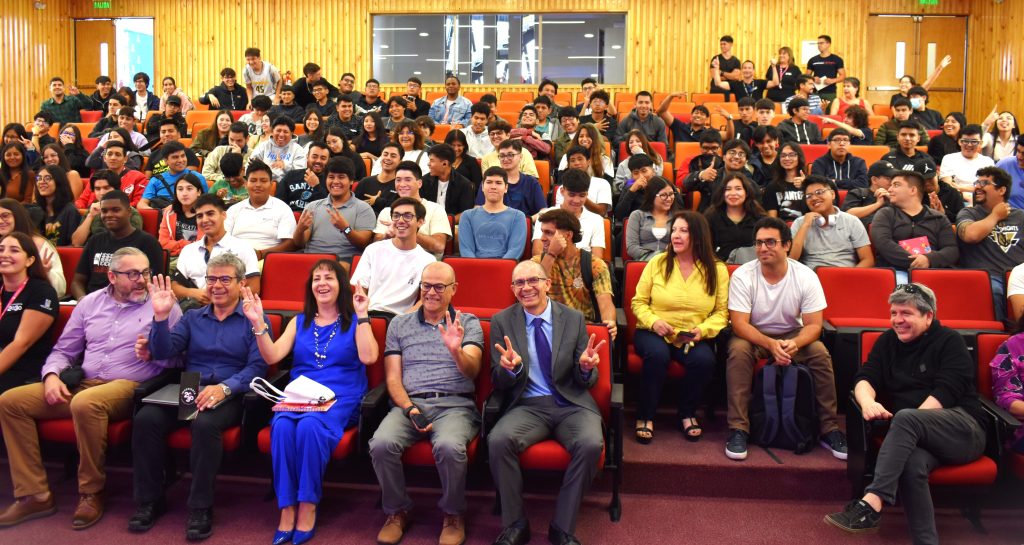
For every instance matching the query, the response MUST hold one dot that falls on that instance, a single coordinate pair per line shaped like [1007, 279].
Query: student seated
[575, 188]
[493, 230]
[826, 236]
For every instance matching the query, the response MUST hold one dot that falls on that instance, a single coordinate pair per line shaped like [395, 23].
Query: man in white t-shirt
[189, 278]
[434, 231]
[390, 269]
[599, 196]
[477, 136]
[265, 222]
[961, 169]
[574, 191]
[776, 304]
[261, 77]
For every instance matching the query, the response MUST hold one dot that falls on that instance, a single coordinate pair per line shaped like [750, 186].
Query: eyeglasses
[668, 196]
[815, 193]
[789, 155]
[965, 142]
[134, 276]
[768, 243]
[437, 288]
[211, 280]
[840, 140]
[507, 155]
[709, 149]
[735, 153]
[404, 216]
[981, 184]
[44, 179]
[533, 281]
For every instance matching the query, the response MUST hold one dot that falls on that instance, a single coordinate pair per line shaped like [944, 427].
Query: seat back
[602, 391]
[658, 147]
[813, 151]
[684, 150]
[544, 175]
[965, 294]
[62, 320]
[870, 299]
[483, 378]
[150, 221]
[631, 277]
[375, 372]
[276, 323]
[482, 282]
[285, 273]
[870, 154]
[526, 96]
[69, 256]
[441, 131]
[867, 342]
[988, 347]
[701, 98]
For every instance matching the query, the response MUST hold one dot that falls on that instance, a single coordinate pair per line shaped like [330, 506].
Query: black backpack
[784, 411]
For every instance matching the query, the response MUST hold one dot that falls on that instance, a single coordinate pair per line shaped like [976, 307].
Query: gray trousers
[918, 441]
[455, 422]
[532, 420]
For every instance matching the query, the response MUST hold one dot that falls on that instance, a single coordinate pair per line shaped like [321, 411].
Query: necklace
[320, 357]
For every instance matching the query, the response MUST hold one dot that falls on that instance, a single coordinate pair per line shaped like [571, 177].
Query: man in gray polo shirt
[431, 358]
[826, 236]
[339, 224]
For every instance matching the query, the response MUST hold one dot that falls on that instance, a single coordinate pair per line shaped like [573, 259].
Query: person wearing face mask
[846, 170]
[826, 236]
[926, 117]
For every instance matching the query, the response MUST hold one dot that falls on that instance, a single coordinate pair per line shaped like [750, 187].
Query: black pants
[152, 425]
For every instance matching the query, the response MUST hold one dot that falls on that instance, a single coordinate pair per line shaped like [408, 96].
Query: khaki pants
[739, 375]
[93, 405]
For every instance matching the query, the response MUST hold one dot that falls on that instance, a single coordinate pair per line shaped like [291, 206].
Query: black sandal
[645, 430]
[694, 426]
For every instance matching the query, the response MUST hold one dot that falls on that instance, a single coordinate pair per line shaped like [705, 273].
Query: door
[94, 52]
[915, 45]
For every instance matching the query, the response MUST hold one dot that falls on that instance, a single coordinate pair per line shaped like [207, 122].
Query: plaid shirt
[567, 285]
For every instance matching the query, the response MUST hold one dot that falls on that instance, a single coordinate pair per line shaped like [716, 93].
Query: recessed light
[384, 46]
[424, 34]
[616, 47]
[593, 75]
[588, 35]
[417, 73]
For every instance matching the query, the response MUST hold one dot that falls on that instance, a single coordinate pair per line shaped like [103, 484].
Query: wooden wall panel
[669, 42]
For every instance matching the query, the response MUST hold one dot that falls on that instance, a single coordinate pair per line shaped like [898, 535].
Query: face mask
[916, 103]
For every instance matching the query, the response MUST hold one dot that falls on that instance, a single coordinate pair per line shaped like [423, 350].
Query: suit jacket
[569, 332]
[459, 197]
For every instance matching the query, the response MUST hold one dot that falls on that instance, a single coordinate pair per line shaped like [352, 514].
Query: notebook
[916, 245]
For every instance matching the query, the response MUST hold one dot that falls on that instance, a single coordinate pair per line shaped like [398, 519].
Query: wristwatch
[364, 320]
[347, 231]
[227, 390]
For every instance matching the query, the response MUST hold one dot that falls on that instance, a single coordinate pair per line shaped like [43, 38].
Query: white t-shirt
[391, 276]
[192, 260]
[436, 221]
[261, 227]
[264, 82]
[417, 156]
[591, 225]
[962, 169]
[479, 144]
[776, 309]
[600, 191]
[1015, 285]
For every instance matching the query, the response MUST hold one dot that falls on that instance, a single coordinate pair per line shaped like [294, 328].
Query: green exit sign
[929, 2]
[105, 4]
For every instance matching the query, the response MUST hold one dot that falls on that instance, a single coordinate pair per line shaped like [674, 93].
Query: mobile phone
[420, 420]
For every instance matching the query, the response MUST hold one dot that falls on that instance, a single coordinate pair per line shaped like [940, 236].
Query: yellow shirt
[683, 303]
[526, 163]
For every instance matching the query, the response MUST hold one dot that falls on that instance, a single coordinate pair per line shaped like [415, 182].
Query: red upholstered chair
[69, 256]
[813, 151]
[964, 295]
[484, 285]
[988, 345]
[283, 284]
[634, 363]
[658, 147]
[90, 116]
[150, 221]
[973, 478]
[549, 455]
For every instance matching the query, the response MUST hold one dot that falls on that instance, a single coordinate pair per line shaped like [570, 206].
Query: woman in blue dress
[333, 342]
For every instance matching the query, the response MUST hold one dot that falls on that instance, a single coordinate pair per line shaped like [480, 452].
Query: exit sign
[922, 2]
[105, 4]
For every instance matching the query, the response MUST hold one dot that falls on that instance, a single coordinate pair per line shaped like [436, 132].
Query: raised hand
[509, 358]
[591, 356]
[311, 178]
[360, 302]
[946, 61]
[47, 262]
[305, 219]
[337, 219]
[252, 307]
[452, 331]
[161, 296]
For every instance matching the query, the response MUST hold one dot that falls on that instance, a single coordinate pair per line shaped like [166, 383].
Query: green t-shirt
[233, 195]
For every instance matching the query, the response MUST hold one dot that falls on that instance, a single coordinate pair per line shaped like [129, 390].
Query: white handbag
[301, 391]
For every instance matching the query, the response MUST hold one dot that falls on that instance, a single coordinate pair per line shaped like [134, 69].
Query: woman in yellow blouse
[679, 307]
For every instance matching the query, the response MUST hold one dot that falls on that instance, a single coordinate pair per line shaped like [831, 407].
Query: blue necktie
[543, 347]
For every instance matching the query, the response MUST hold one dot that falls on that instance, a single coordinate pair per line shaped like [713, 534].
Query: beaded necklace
[320, 357]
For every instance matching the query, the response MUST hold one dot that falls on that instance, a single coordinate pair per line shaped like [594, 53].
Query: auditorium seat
[474, 96]
[484, 285]
[656, 146]
[633, 362]
[544, 177]
[90, 116]
[441, 131]
[701, 98]
[988, 345]
[964, 297]
[857, 297]
[150, 221]
[870, 154]
[813, 151]
[283, 283]
[526, 96]
[69, 256]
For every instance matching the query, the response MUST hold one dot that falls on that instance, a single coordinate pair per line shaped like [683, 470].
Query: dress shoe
[27, 508]
[282, 537]
[394, 528]
[302, 537]
[453, 530]
[199, 525]
[88, 512]
[557, 537]
[516, 534]
[146, 515]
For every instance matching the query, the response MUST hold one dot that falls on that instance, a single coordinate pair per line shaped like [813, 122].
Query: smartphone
[420, 420]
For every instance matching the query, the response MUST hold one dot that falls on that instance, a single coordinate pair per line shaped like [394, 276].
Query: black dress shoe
[146, 515]
[199, 525]
[557, 537]
[516, 534]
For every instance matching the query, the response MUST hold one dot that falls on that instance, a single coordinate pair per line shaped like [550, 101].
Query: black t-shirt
[294, 190]
[921, 163]
[744, 132]
[186, 228]
[95, 260]
[930, 119]
[158, 165]
[858, 197]
[724, 66]
[377, 105]
[787, 82]
[826, 67]
[371, 185]
[786, 199]
[37, 295]
[755, 89]
[683, 132]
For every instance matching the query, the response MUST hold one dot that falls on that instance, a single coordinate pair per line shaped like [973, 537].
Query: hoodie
[850, 174]
[891, 225]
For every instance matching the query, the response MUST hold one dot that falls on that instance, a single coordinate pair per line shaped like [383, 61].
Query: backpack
[587, 275]
[784, 413]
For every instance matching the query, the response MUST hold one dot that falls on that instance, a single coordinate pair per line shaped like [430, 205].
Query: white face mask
[916, 103]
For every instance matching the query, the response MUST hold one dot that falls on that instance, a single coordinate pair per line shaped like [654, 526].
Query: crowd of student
[366, 179]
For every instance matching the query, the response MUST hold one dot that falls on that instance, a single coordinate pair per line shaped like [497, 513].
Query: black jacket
[235, 99]
[459, 197]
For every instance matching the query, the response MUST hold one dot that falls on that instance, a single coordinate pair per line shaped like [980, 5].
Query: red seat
[483, 284]
[283, 284]
[150, 221]
[90, 143]
[965, 296]
[865, 306]
[659, 147]
[813, 151]
[69, 257]
[988, 345]
[62, 430]
[90, 116]
[634, 363]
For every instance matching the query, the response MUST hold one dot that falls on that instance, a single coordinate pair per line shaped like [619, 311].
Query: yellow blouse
[683, 303]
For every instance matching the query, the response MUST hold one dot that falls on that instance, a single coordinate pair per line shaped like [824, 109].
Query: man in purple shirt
[111, 373]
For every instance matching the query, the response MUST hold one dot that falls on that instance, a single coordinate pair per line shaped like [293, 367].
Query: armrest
[616, 427]
[617, 396]
[1001, 416]
[492, 410]
[372, 410]
[151, 385]
[278, 379]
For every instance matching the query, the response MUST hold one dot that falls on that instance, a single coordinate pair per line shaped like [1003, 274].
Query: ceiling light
[588, 35]
[384, 46]
[616, 47]
[424, 34]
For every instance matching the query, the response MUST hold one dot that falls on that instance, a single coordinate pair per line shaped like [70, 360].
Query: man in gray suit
[541, 372]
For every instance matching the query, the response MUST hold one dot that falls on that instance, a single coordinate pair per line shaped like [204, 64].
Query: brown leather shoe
[27, 508]
[394, 529]
[89, 511]
[453, 531]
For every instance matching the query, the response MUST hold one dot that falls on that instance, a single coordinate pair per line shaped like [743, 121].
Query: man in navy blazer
[542, 369]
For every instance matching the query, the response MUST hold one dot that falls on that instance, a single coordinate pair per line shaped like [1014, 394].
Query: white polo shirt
[262, 227]
[192, 259]
[591, 225]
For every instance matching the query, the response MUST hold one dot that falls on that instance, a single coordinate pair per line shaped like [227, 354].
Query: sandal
[644, 435]
[688, 430]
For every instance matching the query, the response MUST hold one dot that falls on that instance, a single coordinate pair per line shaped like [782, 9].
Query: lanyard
[13, 297]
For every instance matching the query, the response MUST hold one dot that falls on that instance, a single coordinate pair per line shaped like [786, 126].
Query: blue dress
[301, 443]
